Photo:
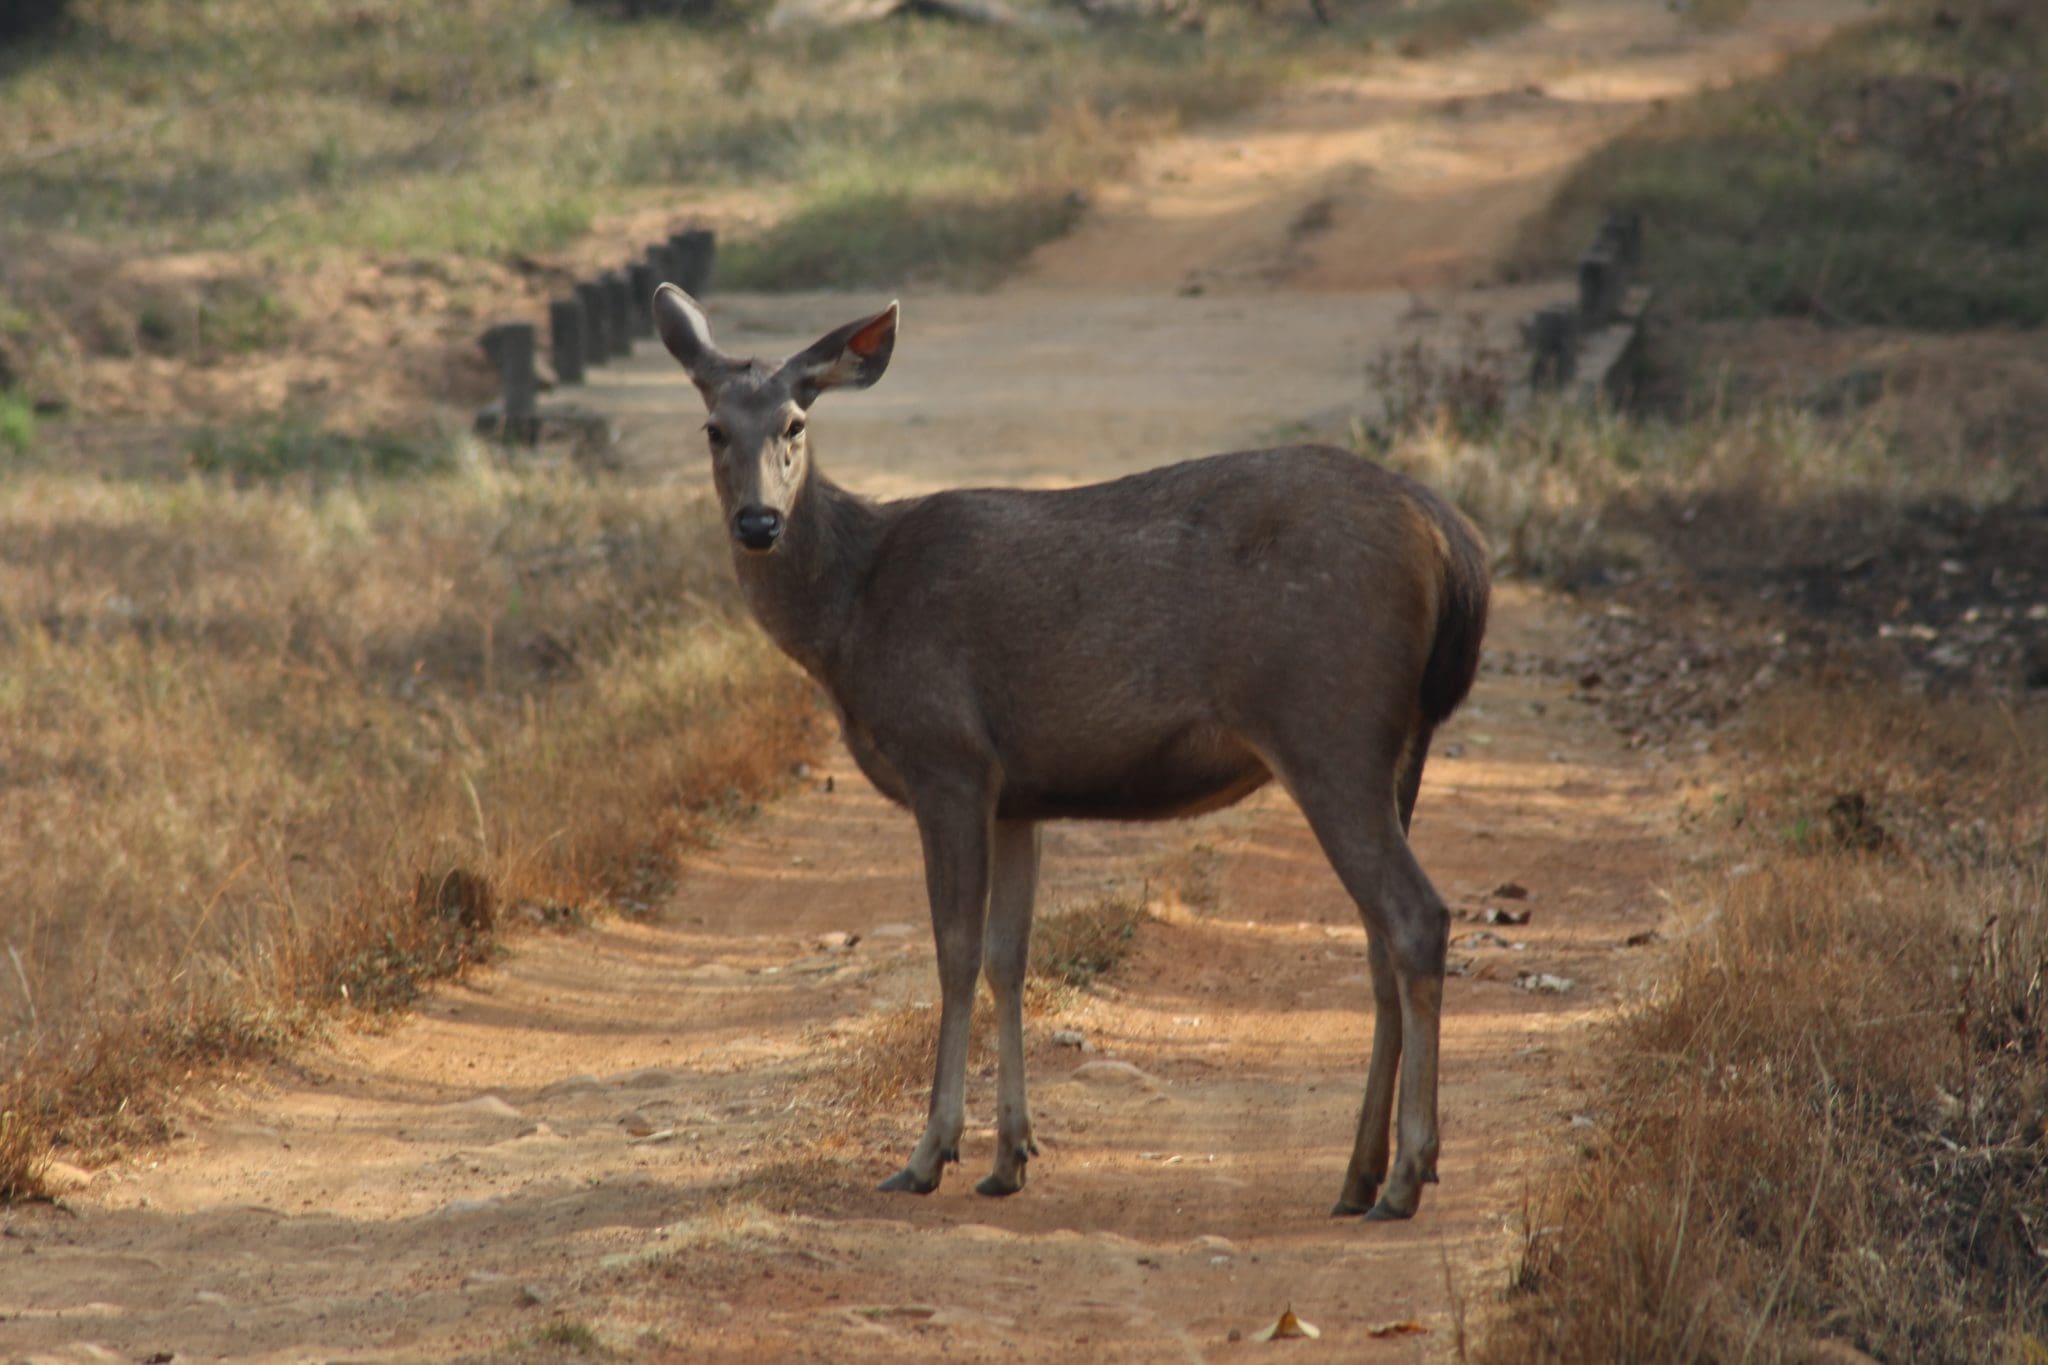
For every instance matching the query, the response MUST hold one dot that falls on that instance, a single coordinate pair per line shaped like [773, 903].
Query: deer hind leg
[1006, 952]
[1355, 810]
[1411, 774]
[1368, 1168]
[956, 839]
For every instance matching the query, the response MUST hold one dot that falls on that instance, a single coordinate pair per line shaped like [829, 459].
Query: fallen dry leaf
[1407, 1327]
[1288, 1326]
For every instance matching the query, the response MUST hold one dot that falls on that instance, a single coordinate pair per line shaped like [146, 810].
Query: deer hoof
[1344, 1208]
[906, 1181]
[996, 1186]
[1383, 1212]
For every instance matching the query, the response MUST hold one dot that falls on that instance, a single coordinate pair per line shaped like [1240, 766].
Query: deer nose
[758, 528]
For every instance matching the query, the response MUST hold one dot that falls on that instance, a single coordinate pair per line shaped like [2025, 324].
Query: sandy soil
[643, 1130]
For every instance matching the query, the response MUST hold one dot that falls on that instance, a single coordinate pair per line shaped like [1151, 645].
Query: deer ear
[688, 338]
[850, 357]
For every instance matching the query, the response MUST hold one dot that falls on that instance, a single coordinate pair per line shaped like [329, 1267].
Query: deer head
[760, 456]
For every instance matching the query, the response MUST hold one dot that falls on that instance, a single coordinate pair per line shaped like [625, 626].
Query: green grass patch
[504, 126]
[1892, 176]
[281, 449]
[17, 424]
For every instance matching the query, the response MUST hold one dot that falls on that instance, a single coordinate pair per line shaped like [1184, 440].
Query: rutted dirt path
[635, 1129]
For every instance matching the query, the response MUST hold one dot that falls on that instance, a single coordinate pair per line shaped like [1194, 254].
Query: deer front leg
[1004, 958]
[956, 837]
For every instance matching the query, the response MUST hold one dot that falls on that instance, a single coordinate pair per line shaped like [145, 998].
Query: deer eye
[715, 434]
[794, 429]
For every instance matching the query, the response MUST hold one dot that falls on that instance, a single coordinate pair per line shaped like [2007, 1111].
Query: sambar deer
[1156, 646]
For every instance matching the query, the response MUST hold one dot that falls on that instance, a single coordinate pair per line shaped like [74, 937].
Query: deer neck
[803, 593]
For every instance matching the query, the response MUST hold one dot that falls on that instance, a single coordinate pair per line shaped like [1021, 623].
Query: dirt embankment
[643, 1136]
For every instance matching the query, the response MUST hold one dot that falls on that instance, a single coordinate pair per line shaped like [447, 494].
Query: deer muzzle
[757, 528]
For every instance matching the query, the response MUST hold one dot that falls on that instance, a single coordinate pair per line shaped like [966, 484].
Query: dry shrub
[273, 749]
[1827, 1124]
[894, 1055]
[1075, 944]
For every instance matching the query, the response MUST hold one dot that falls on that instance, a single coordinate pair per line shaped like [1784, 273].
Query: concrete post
[565, 339]
[597, 332]
[618, 302]
[1601, 285]
[640, 282]
[511, 345]
[692, 255]
[1554, 337]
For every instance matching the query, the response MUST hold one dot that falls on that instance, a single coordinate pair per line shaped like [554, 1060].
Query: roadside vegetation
[303, 744]
[1890, 177]
[1824, 564]
[202, 186]
[1071, 946]
[1827, 1121]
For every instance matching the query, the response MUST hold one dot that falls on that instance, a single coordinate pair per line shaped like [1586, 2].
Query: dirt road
[640, 1136]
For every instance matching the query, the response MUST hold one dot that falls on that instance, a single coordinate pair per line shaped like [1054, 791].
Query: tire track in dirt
[638, 1128]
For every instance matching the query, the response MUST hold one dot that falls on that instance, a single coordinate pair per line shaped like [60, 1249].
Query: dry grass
[893, 1055]
[1827, 1123]
[1077, 943]
[1563, 488]
[1071, 946]
[274, 748]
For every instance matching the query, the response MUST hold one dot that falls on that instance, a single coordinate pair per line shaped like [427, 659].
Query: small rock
[646, 1078]
[1583, 1121]
[838, 941]
[1511, 891]
[1214, 1246]
[1068, 1037]
[483, 1279]
[534, 1295]
[1105, 1072]
[1493, 914]
[212, 1298]
[1543, 983]
[462, 1206]
[580, 1084]
[61, 1177]
[1642, 939]
[636, 1124]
